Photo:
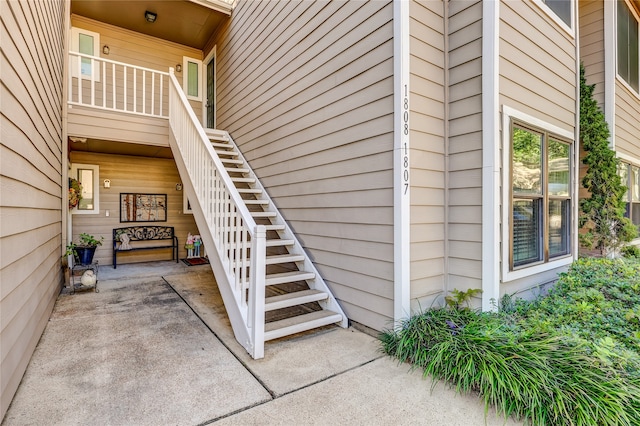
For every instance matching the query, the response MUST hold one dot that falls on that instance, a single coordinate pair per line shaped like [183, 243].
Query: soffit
[121, 148]
[179, 21]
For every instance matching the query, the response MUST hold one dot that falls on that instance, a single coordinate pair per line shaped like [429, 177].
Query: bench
[138, 234]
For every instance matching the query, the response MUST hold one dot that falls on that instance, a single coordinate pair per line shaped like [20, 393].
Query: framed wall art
[143, 207]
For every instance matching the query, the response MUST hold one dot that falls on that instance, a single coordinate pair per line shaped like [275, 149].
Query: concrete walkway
[154, 347]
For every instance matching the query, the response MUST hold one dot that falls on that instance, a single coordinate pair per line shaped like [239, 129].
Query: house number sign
[405, 136]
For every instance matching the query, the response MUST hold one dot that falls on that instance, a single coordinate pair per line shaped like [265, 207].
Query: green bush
[570, 357]
[631, 252]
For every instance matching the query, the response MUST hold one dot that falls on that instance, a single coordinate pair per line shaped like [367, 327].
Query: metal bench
[140, 234]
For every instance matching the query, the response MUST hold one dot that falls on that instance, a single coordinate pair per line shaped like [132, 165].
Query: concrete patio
[154, 347]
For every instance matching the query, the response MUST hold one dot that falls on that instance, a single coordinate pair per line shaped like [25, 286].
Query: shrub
[571, 357]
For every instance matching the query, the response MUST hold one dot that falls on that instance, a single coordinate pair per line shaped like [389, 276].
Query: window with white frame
[630, 177]
[192, 75]
[87, 43]
[627, 44]
[87, 176]
[541, 196]
[562, 8]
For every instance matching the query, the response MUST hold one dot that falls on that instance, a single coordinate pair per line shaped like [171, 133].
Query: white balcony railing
[110, 85]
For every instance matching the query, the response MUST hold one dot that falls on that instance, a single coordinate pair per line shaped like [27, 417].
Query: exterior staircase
[270, 287]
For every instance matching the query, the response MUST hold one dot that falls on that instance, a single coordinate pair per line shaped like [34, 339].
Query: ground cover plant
[571, 357]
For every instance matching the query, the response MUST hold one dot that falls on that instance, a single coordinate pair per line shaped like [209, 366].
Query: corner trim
[401, 163]
[490, 155]
[610, 69]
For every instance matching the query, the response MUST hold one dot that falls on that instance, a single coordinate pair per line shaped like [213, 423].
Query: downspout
[401, 162]
[490, 155]
[445, 30]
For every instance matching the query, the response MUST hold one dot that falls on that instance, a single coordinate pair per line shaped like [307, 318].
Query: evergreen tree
[602, 220]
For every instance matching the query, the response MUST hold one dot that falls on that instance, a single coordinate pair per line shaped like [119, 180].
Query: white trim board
[401, 169]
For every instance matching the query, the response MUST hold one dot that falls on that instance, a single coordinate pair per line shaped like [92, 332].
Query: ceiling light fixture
[150, 16]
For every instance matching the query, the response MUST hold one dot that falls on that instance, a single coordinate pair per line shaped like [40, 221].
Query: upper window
[85, 42]
[627, 30]
[540, 196]
[192, 76]
[562, 8]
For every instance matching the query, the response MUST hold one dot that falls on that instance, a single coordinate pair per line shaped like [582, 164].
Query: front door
[210, 117]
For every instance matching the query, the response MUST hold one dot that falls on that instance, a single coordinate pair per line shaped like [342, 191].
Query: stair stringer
[316, 283]
[236, 312]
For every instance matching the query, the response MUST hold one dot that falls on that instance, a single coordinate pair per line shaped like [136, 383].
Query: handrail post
[257, 290]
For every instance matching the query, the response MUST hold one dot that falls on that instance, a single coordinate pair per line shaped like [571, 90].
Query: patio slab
[132, 354]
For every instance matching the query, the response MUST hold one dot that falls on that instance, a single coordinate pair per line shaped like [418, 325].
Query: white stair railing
[116, 86]
[224, 222]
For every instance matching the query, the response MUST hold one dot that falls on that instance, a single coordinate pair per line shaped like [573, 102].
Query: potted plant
[84, 250]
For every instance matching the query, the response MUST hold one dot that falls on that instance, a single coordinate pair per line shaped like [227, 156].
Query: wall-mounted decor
[143, 207]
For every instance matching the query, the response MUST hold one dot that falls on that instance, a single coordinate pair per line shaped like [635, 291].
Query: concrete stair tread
[293, 299]
[288, 277]
[300, 323]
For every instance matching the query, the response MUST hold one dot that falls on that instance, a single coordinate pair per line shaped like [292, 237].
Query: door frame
[210, 56]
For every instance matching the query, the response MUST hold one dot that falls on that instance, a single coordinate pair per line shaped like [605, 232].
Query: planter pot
[84, 255]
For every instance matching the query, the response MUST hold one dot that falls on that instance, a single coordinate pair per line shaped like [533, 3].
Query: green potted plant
[84, 250]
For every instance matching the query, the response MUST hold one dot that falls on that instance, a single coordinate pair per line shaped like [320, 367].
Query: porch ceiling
[120, 148]
[180, 21]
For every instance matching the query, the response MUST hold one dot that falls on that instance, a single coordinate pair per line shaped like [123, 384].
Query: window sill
[537, 269]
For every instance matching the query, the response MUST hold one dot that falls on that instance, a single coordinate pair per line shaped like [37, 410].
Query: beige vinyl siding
[136, 49]
[626, 118]
[306, 90]
[427, 61]
[465, 145]
[538, 77]
[137, 175]
[591, 16]
[30, 180]
[119, 127]
[537, 65]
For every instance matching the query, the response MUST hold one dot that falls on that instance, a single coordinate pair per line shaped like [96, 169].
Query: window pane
[526, 231]
[192, 79]
[562, 8]
[85, 45]
[634, 188]
[85, 177]
[559, 214]
[527, 162]
[633, 52]
[623, 171]
[558, 168]
[627, 31]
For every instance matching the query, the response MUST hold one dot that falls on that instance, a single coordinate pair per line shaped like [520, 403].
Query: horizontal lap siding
[537, 65]
[137, 175]
[626, 119]
[306, 90]
[426, 30]
[538, 76]
[591, 15]
[30, 179]
[465, 145]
